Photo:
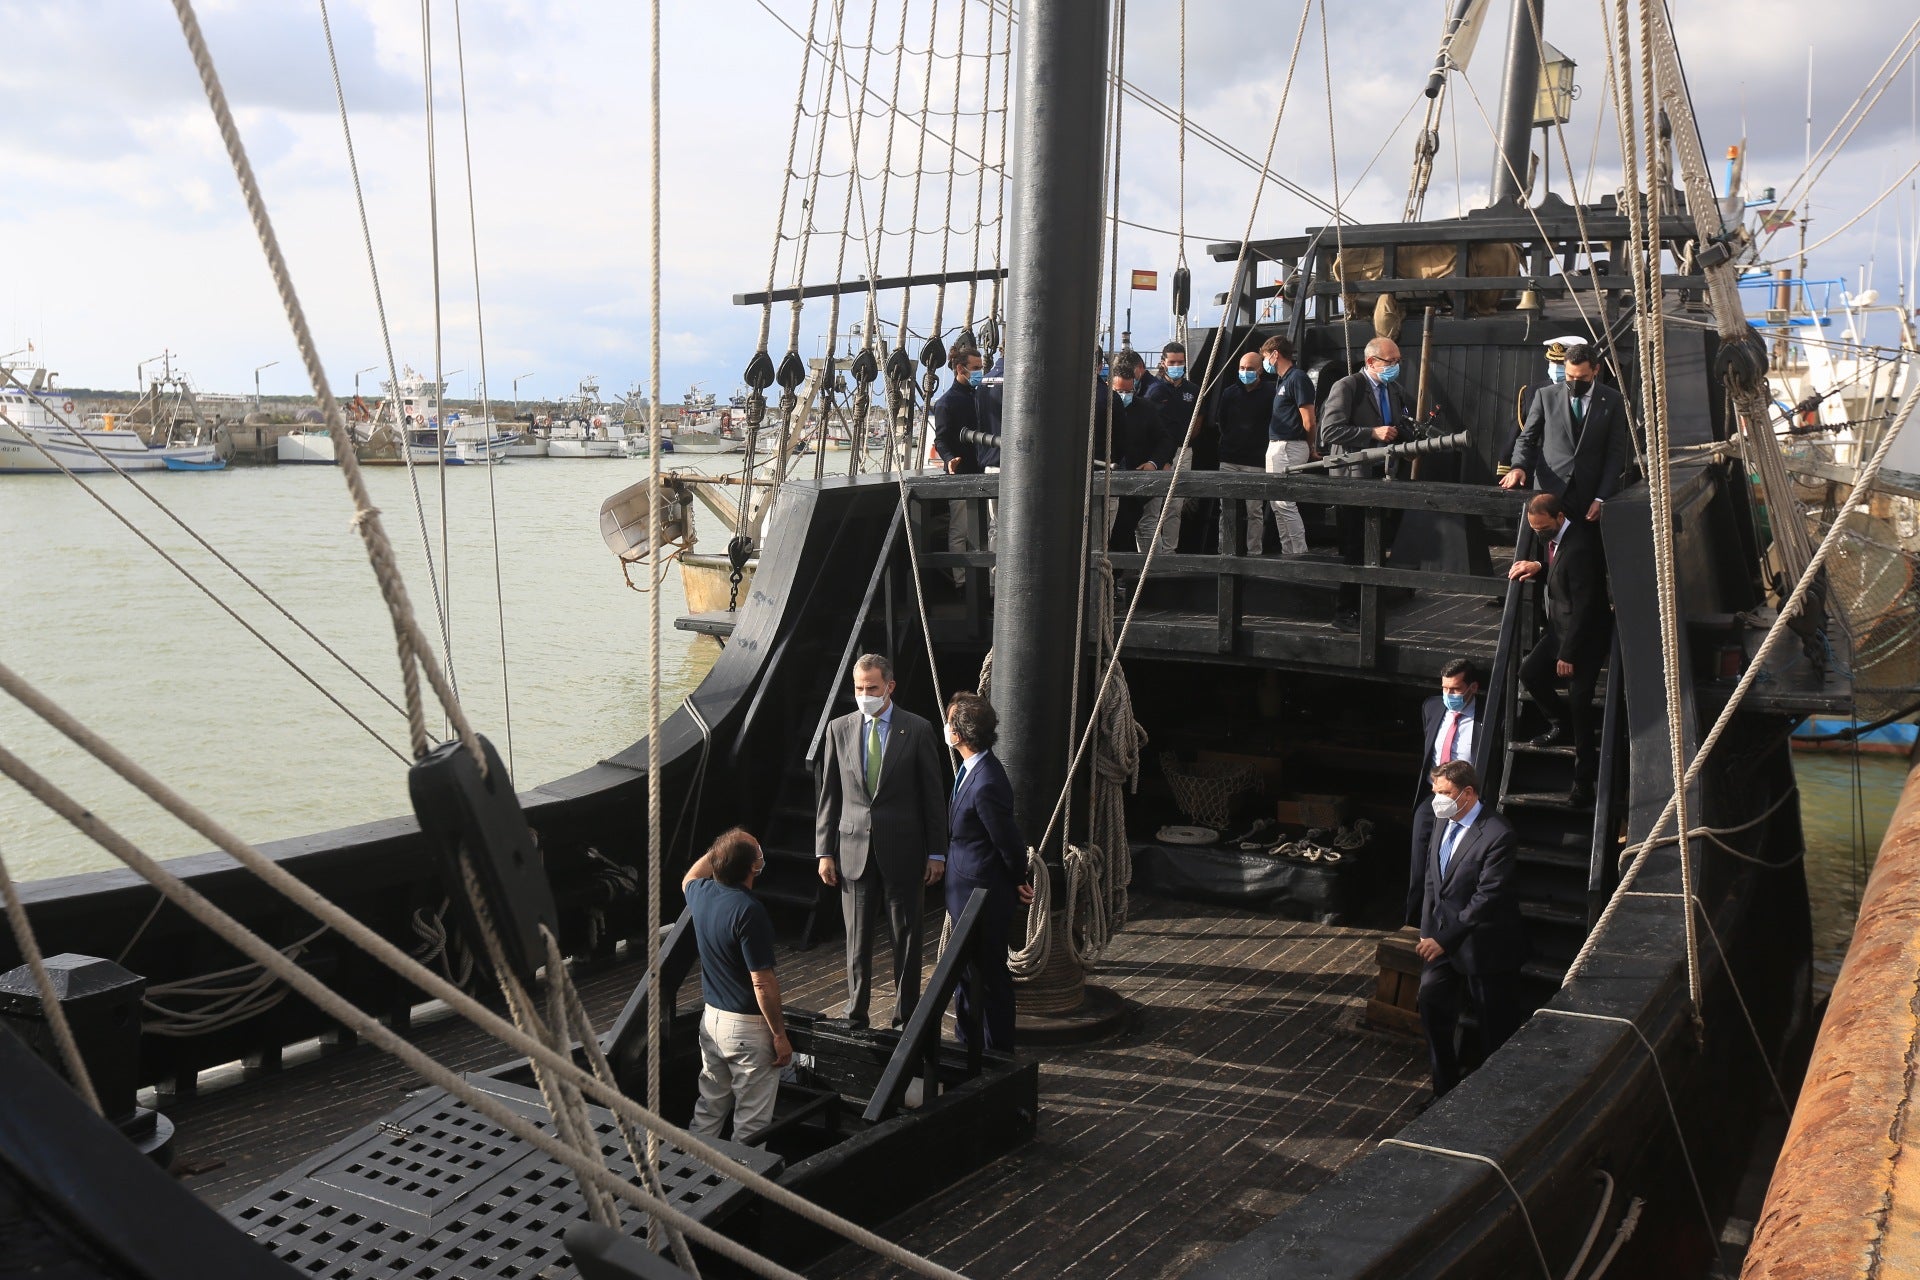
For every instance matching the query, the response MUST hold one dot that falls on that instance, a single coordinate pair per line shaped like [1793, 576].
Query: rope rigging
[431, 983]
[445, 600]
[380, 310]
[1653, 374]
[208, 591]
[486, 408]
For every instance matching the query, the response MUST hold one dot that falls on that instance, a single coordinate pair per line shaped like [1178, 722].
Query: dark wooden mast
[1059, 135]
[1517, 99]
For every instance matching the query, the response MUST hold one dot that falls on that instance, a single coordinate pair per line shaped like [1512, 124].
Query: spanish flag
[1146, 281]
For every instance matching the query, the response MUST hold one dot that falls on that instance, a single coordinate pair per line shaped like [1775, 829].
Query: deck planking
[1244, 1085]
[1242, 1082]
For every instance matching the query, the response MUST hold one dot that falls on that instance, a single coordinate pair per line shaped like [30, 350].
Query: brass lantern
[1554, 103]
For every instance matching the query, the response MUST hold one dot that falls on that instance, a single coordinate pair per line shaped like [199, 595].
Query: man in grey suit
[1471, 934]
[1575, 444]
[880, 831]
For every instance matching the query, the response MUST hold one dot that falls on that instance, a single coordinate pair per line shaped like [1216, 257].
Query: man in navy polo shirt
[743, 1038]
[1289, 433]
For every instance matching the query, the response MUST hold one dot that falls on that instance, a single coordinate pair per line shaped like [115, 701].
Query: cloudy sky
[124, 235]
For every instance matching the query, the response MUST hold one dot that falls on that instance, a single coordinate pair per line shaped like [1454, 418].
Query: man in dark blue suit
[1449, 729]
[984, 851]
[1471, 934]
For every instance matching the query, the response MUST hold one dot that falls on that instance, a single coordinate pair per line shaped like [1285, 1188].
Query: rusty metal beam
[1844, 1203]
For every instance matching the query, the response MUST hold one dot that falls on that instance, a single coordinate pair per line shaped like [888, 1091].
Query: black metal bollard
[102, 1004]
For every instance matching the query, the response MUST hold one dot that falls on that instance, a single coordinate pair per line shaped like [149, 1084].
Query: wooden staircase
[1566, 852]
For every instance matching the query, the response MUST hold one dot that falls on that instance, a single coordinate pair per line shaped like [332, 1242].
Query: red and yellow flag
[1146, 281]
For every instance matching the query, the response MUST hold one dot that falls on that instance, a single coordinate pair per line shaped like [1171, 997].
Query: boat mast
[1518, 98]
[1053, 288]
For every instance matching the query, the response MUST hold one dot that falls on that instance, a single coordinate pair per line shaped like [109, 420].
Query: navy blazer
[1433, 717]
[1473, 911]
[984, 844]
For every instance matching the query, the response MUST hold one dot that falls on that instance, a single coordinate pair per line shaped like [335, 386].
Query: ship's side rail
[757, 709]
[1434, 597]
[1612, 1093]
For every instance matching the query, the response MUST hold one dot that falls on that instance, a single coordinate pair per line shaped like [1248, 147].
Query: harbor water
[100, 622]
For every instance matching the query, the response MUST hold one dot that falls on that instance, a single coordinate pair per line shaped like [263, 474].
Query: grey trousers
[1256, 514]
[862, 902]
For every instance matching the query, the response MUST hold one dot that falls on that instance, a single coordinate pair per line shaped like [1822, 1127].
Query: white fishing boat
[698, 442]
[310, 447]
[40, 426]
[432, 445]
[594, 437]
[531, 442]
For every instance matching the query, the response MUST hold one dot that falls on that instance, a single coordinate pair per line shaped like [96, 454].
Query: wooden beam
[1257, 486]
[864, 286]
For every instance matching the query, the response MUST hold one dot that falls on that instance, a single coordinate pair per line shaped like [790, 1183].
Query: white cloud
[130, 235]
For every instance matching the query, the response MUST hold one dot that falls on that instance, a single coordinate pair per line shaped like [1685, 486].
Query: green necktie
[1579, 415]
[873, 756]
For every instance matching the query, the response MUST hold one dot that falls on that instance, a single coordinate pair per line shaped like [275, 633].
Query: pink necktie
[1447, 736]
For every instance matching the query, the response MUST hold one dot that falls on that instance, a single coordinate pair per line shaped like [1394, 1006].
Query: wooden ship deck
[1245, 1018]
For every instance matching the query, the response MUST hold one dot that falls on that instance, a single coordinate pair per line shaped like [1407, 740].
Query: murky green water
[1845, 803]
[98, 621]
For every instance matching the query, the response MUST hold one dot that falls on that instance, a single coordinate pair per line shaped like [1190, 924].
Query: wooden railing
[1231, 573]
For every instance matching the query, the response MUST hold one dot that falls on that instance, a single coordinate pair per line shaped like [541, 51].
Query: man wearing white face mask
[1449, 724]
[880, 831]
[985, 851]
[1471, 935]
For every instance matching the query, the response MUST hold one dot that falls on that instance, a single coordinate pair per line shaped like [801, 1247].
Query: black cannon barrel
[1401, 449]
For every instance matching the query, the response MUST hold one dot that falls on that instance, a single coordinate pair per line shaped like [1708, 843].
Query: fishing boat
[594, 437]
[432, 445]
[184, 464]
[40, 432]
[530, 442]
[1238, 1121]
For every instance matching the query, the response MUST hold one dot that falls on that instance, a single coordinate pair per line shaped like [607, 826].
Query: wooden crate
[1329, 812]
[1395, 1003]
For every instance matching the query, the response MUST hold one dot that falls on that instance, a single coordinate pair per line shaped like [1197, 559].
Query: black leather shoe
[1347, 619]
[1554, 737]
[1581, 797]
